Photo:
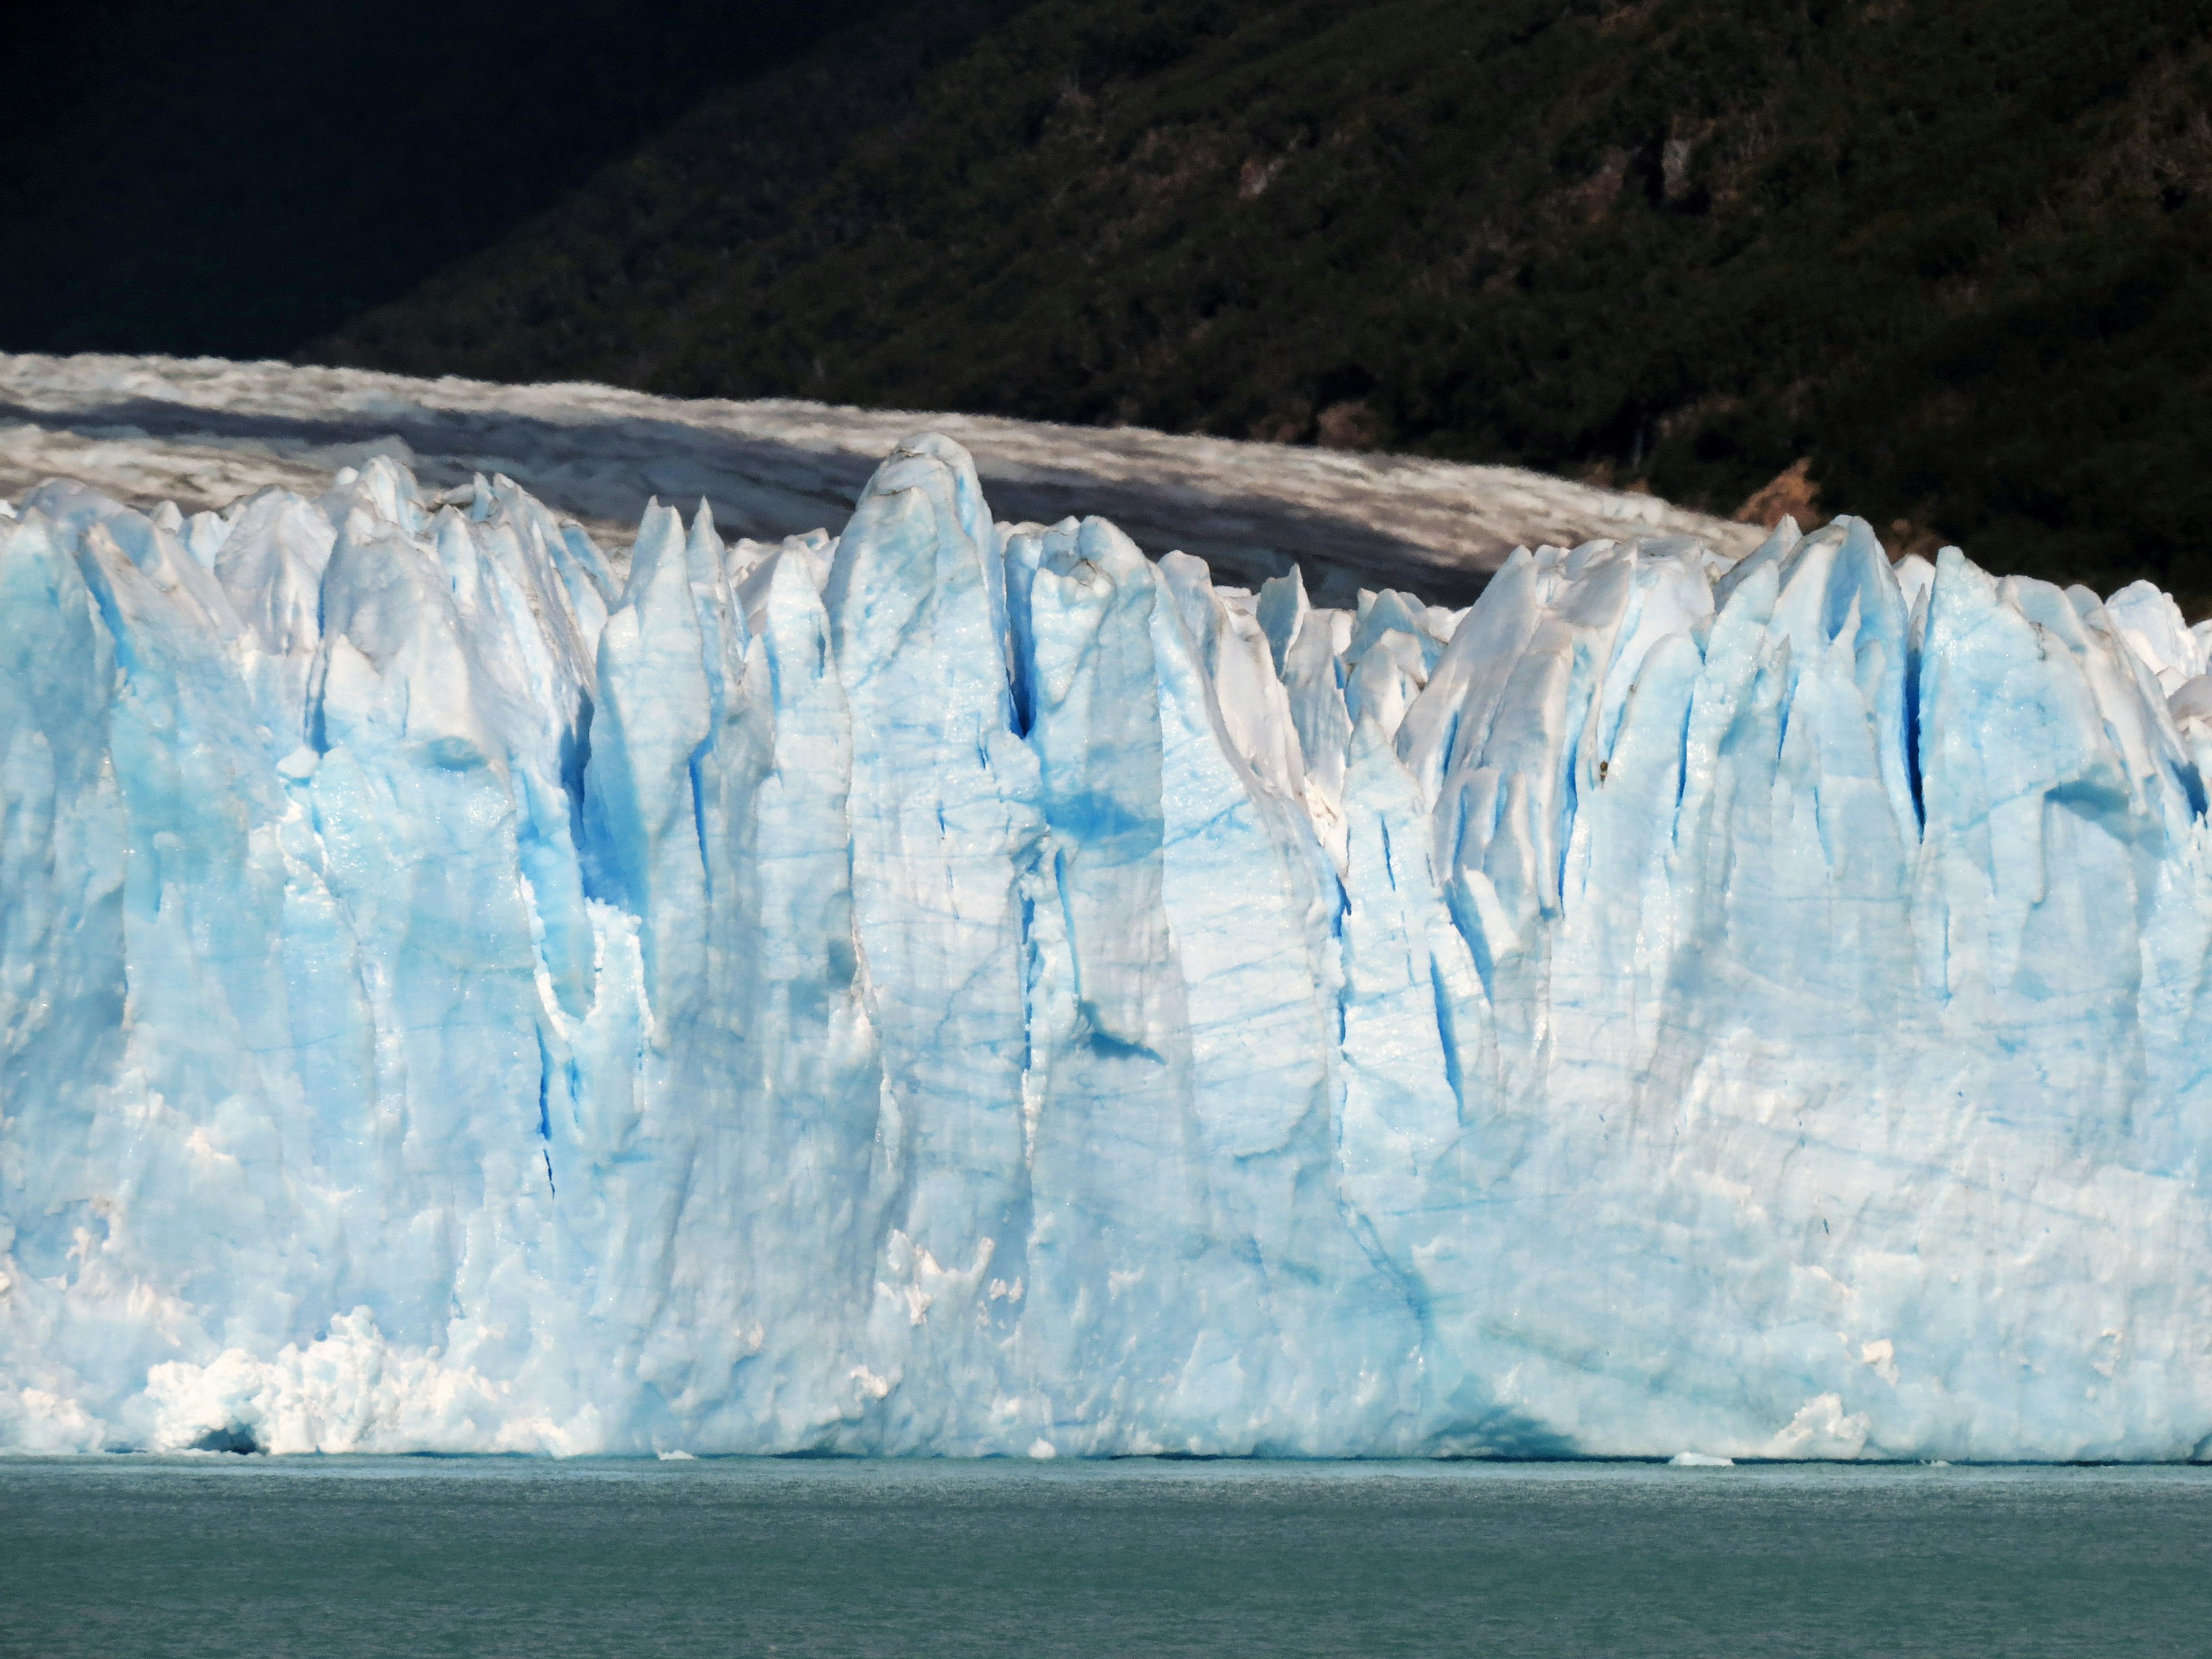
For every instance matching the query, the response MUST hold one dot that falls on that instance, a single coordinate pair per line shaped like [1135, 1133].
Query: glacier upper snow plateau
[203, 431]
[967, 988]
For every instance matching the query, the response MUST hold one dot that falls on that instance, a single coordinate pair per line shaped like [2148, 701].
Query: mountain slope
[230, 177]
[1952, 256]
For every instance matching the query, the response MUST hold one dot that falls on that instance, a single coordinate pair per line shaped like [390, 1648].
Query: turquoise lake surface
[328, 1558]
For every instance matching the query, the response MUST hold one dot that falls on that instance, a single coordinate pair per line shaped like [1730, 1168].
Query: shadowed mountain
[1940, 264]
[233, 176]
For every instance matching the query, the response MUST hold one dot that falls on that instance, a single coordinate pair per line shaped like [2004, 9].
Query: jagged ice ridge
[963, 988]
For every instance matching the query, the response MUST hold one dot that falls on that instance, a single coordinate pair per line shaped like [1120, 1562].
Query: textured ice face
[967, 988]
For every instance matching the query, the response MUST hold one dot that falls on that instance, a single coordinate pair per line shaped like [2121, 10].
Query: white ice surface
[203, 431]
[966, 987]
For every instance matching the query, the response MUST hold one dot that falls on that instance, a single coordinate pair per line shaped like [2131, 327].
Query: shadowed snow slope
[201, 432]
[966, 987]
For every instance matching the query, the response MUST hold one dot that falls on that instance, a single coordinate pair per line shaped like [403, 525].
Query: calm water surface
[120, 1558]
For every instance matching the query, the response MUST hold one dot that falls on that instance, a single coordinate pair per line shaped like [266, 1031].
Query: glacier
[205, 431]
[970, 988]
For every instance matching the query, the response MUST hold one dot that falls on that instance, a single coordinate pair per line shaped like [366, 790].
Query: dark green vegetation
[1954, 253]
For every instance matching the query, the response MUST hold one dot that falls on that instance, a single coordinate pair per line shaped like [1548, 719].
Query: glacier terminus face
[967, 988]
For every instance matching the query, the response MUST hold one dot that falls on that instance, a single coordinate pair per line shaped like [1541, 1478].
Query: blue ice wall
[961, 987]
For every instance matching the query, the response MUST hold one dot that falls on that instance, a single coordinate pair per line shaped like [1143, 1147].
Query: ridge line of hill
[1946, 264]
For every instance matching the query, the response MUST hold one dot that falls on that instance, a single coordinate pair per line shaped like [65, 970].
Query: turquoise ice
[960, 987]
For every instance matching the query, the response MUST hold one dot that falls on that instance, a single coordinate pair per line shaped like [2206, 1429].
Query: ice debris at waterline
[965, 988]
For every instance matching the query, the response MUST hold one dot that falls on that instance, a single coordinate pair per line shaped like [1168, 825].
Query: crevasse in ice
[968, 988]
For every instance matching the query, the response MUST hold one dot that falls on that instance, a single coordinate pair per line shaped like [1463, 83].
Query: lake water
[326, 1558]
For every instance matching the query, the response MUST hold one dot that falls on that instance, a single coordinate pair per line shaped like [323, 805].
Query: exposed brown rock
[1253, 180]
[1792, 493]
[1349, 425]
[1595, 196]
[1904, 537]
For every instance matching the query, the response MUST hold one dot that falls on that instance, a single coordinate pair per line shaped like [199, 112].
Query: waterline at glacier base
[963, 988]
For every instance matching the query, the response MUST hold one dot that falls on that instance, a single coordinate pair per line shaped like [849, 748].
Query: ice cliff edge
[968, 988]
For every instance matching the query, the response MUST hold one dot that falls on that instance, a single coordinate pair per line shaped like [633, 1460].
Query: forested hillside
[1951, 255]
